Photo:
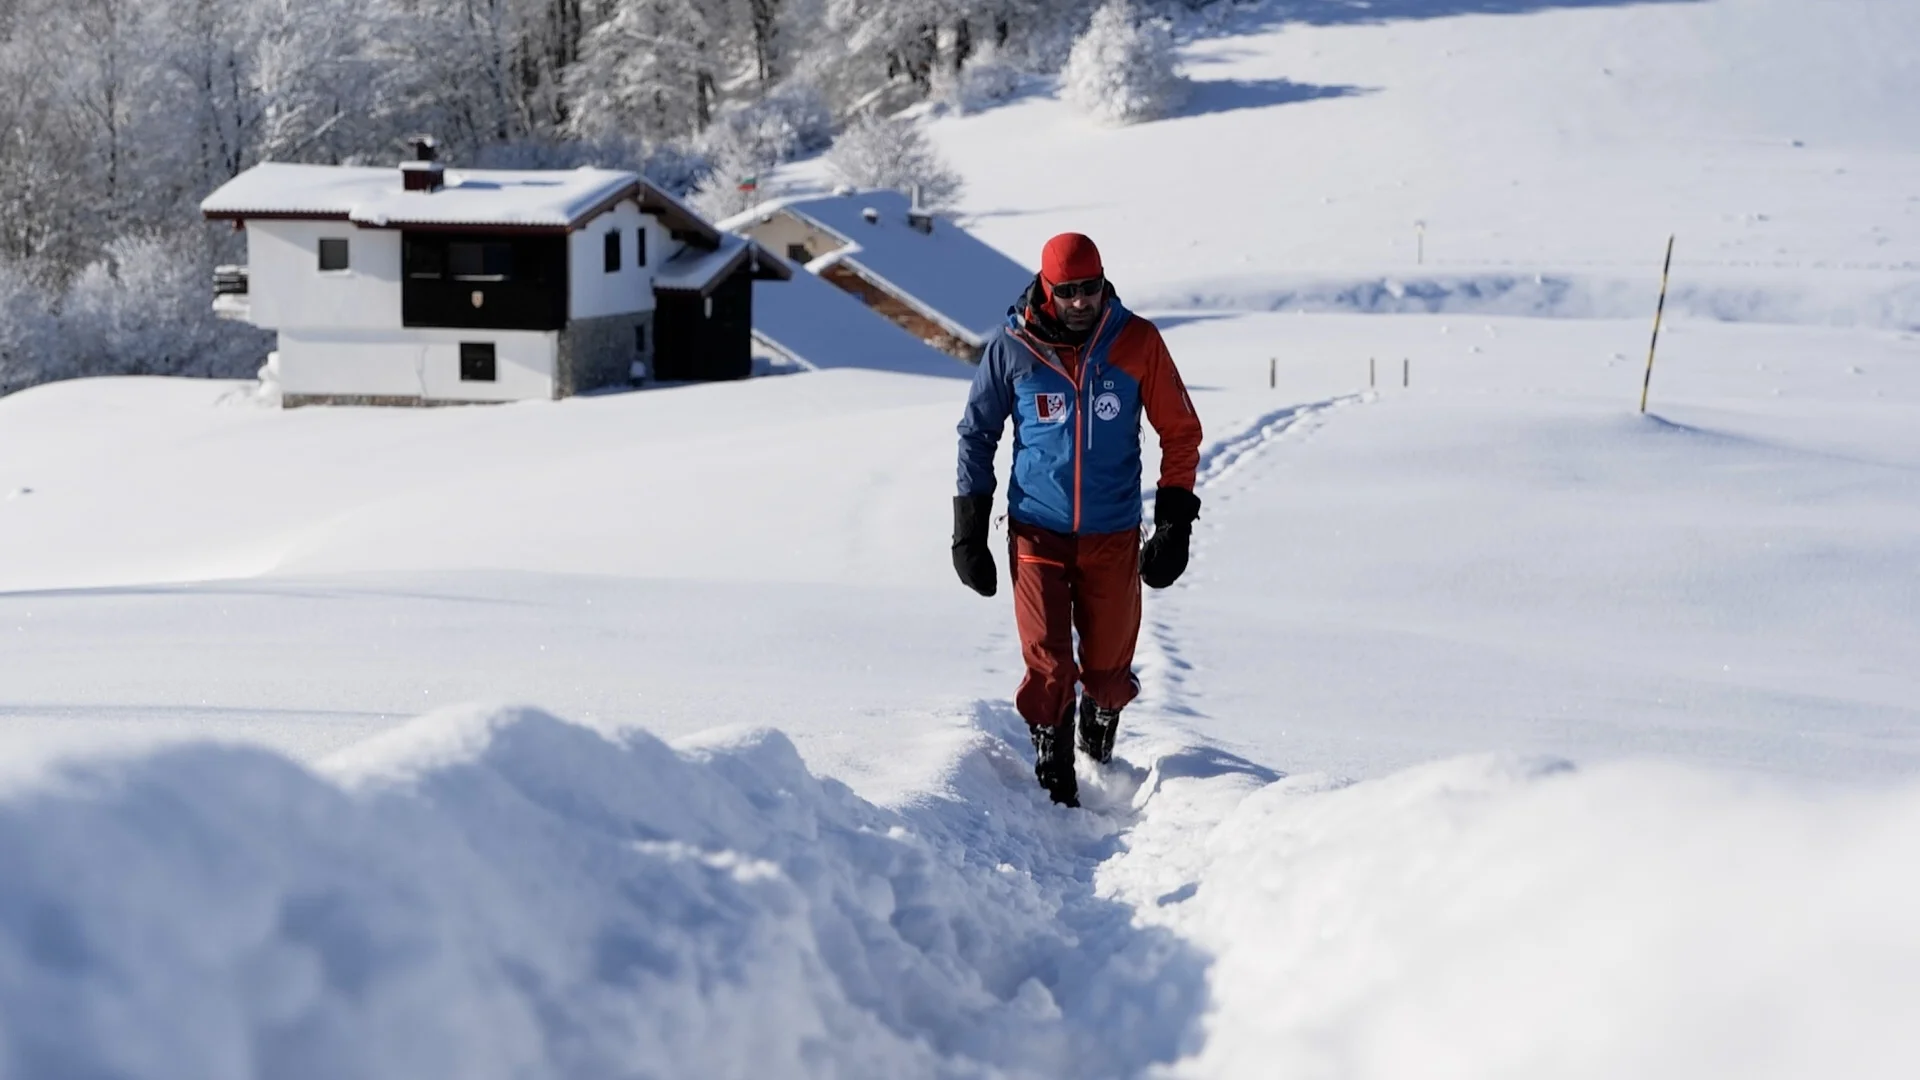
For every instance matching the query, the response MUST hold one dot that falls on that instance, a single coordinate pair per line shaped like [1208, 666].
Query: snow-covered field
[1496, 730]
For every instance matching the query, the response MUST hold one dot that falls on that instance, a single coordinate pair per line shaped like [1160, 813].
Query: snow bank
[501, 893]
[494, 894]
[1501, 917]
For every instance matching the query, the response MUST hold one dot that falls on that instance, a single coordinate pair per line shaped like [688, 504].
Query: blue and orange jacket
[1076, 422]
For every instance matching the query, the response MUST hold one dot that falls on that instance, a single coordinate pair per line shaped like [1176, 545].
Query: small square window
[640, 246]
[799, 253]
[476, 361]
[333, 254]
[612, 248]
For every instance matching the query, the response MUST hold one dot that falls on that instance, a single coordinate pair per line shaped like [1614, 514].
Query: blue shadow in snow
[1206, 762]
[1168, 322]
[1233, 95]
[1345, 12]
[1180, 895]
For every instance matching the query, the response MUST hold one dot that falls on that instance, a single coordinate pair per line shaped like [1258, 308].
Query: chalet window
[479, 260]
[520, 281]
[640, 246]
[333, 254]
[799, 253]
[477, 362]
[425, 261]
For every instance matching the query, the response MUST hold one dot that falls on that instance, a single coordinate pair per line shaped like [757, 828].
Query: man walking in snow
[1075, 370]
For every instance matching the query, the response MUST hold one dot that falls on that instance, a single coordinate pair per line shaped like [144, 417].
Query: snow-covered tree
[741, 149]
[745, 144]
[886, 152]
[118, 116]
[984, 80]
[1122, 68]
[649, 70]
[25, 330]
[334, 80]
[145, 308]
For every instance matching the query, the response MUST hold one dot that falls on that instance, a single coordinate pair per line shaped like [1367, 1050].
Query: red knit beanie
[1069, 257]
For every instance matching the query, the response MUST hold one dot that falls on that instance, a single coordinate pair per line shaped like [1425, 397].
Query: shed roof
[697, 271]
[809, 318]
[953, 276]
[542, 200]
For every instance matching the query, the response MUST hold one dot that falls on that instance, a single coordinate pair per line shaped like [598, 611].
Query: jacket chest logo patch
[1106, 406]
[1051, 408]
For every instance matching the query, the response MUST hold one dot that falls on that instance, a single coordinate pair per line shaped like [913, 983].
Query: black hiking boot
[1053, 761]
[1098, 726]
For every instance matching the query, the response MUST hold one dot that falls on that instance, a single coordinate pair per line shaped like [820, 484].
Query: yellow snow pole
[1665, 271]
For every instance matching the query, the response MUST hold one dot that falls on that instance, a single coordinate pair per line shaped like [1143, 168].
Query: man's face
[1079, 302]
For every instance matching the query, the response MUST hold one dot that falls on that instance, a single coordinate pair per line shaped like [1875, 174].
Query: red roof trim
[276, 215]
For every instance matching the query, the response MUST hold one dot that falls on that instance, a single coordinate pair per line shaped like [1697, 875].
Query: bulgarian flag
[751, 183]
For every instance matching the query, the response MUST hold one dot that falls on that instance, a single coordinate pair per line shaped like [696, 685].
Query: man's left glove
[971, 558]
[1164, 557]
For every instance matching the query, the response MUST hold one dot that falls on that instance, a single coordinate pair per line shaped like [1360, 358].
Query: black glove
[1164, 558]
[971, 558]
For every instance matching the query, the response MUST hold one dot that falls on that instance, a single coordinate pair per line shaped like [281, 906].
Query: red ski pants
[1064, 583]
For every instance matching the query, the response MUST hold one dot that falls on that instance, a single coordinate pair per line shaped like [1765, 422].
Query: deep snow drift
[502, 894]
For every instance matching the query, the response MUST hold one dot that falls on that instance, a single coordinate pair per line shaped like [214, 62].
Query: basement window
[612, 248]
[333, 254]
[477, 362]
[640, 338]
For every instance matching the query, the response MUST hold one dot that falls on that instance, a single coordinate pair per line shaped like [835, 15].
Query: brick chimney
[424, 172]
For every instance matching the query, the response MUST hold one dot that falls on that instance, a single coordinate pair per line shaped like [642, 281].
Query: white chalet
[425, 284]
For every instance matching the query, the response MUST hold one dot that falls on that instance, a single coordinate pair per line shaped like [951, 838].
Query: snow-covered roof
[545, 199]
[950, 275]
[813, 320]
[697, 271]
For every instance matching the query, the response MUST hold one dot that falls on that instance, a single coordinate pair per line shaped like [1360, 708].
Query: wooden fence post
[1647, 383]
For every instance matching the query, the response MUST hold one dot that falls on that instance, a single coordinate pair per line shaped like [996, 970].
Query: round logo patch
[1106, 406]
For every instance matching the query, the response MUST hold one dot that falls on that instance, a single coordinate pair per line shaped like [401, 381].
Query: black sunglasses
[1073, 290]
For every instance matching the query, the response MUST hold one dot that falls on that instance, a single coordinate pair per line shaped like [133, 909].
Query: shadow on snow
[1232, 95]
[1260, 16]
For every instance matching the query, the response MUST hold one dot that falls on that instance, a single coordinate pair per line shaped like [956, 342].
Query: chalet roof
[546, 200]
[811, 319]
[953, 277]
[697, 271]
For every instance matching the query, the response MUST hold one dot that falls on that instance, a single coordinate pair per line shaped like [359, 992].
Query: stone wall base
[598, 353]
